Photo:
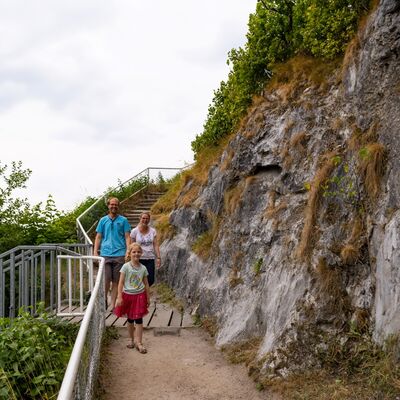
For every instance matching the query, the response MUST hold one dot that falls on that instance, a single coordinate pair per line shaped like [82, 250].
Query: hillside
[290, 240]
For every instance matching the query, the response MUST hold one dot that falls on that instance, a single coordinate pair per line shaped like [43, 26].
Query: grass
[371, 158]
[310, 215]
[164, 229]
[203, 245]
[349, 366]
[227, 160]
[354, 45]
[273, 209]
[372, 166]
[209, 324]
[166, 295]
[350, 252]
[298, 141]
[166, 203]
[244, 352]
[252, 121]
[331, 290]
[258, 265]
[291, 77]
[185, 187]
[233, 196]
[234, 276]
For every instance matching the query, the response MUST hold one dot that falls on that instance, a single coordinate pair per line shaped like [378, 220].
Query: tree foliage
[277, 30]
[22, 223]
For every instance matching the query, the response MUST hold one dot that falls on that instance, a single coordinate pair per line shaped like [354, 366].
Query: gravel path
[181, 367]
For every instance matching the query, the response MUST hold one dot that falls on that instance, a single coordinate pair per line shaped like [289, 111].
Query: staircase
[133, 207]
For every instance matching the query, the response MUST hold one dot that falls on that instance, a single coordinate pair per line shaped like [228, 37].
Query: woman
[146, 236]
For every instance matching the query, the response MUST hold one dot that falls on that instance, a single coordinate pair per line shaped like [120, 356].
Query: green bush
[34, 353]
[327, 26]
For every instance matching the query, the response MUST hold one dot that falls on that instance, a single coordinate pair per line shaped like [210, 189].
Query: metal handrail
[67, 387]
[81, 230]
[58, 246]
[109, 191]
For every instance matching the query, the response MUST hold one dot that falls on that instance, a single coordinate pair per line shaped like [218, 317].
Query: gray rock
[253, 283]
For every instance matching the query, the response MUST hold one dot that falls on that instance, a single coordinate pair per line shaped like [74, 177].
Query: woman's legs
[150, 266]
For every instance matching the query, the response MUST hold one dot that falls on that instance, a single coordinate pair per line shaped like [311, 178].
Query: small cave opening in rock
[271, 169]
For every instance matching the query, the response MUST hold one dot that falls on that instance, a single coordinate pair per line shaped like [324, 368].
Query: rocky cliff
[303, 207]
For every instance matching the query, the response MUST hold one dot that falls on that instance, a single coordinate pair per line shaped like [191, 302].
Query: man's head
[113, 206]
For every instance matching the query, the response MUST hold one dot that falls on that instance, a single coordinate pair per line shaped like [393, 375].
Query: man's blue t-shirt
[112, 232]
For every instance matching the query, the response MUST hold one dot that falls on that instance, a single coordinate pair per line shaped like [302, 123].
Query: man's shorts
[112, 267]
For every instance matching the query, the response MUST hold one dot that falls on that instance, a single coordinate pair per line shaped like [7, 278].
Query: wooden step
[160, 316]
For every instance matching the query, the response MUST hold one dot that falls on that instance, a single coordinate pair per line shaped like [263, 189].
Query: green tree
[14, 212]
[21, 223]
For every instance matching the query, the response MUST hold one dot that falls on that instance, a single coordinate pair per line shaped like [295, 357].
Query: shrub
[33, 355]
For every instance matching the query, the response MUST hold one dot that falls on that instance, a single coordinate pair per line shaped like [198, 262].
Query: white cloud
[96, 91]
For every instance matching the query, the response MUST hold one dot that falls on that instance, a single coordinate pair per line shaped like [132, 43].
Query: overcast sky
[95, 91]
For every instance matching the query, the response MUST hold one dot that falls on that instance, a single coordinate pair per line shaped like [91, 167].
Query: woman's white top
[146, 241]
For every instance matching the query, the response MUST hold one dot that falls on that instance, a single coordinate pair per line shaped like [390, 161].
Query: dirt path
[181, 367]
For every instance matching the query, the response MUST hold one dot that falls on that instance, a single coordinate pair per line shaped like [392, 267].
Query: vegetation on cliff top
[277, 31]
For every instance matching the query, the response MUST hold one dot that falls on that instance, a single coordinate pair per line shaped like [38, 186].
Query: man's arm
[127, 242]
[97, 242]
[120, 288]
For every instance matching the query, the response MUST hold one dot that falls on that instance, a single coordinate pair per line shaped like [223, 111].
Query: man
[112, 237]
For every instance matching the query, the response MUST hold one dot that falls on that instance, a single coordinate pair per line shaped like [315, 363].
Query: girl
[133, 296]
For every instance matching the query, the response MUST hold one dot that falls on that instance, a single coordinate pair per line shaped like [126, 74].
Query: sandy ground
[181, 367]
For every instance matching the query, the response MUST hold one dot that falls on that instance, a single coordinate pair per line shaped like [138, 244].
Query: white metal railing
[78, 276]
[137, 183]
[28, 277]
[81, 372]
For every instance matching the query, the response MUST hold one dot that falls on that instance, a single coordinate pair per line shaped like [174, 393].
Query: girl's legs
[131, 331]
[139, 336]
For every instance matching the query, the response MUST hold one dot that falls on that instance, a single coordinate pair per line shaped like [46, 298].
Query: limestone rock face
[303, 208]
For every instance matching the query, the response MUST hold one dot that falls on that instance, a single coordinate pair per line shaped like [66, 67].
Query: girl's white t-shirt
[146, 241]
[133, 283]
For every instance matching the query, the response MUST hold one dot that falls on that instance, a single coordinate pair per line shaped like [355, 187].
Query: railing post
[24, 277]
[81, 284]
[20, 267]
[33, 278]
[70, 284]
[59, 290]
[51, 279]
[43, 275]
[12, 286]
